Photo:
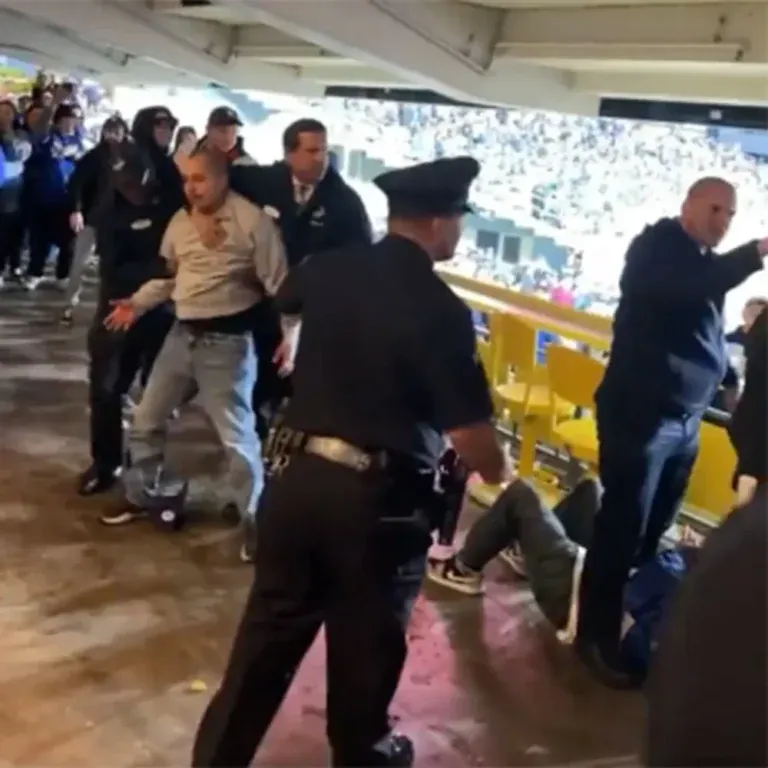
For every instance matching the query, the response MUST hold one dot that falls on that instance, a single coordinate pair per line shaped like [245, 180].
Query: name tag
[140, 224]
[273, 213]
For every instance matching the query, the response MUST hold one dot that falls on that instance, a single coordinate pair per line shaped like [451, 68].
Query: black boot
[97, 479]
[606, 668]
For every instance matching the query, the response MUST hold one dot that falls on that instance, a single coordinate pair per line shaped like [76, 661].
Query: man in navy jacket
[667, 361]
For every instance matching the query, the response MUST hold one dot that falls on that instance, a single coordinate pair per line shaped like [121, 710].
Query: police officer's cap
[436, 189]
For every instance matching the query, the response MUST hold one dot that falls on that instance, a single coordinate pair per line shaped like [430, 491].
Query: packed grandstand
[588, 183]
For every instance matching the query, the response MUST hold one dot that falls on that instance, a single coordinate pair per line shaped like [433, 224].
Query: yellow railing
[584, 327]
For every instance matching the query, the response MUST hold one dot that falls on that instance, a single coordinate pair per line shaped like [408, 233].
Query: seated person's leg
[577, 510]
[551, 558]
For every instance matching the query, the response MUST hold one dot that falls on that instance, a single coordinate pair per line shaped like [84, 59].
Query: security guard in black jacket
[129, 230]
[315, 210]
[152, 130]
[386, 366]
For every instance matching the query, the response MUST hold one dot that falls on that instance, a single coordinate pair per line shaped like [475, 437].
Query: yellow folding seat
[709, 494]
[574, 377]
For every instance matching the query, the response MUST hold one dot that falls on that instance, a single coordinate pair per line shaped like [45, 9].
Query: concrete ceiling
[550, 54]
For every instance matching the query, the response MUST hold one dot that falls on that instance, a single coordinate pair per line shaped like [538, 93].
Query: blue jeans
[222, 368]
[645, 465]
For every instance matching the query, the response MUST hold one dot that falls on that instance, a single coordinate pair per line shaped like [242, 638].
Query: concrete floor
[103, 631]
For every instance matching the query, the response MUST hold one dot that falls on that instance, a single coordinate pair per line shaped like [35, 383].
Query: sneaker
[2, 282]
[123, 516]
[66, 317]
[32, 283]
[513, 557]
[60, 284]
[449, 574]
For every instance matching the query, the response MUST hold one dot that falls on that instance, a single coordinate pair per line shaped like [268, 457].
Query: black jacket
[334, 217]
[128, 243]
[668, 356]
[89, 181]
[749, 424]
[171, 187]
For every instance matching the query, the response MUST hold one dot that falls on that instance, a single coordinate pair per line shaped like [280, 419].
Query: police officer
[386, 366]
[129, 230]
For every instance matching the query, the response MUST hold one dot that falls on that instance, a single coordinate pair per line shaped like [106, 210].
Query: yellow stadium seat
[710, 494]
[520, 386]
[574, 377]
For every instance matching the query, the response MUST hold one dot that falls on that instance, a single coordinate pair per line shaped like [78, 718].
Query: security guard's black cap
[439, 188]
[222, 116]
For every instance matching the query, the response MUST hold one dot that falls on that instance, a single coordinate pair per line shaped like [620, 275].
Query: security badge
[318, 216]
[141, 224]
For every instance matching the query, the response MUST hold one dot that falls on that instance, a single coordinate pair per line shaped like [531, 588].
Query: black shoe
[248, 548]
[606, 669]
[96, 480]
[395, 750]
[230, 514]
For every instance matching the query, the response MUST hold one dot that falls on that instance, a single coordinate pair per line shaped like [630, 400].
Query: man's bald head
[215, 162]
[708, 210]
[206, 179]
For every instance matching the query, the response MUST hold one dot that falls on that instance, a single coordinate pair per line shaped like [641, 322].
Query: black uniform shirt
[387, 358]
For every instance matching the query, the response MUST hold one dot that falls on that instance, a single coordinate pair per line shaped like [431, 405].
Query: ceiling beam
[433, 44]
[729, 31]
[685, 87]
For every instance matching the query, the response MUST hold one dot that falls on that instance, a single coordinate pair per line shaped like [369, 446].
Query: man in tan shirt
[224, 256]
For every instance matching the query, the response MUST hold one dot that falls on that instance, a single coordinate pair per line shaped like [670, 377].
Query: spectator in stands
[46, 176]
[667, 360]
[749, 314]
[749, 425]
[548, 547]
[185, 142]
[15, 150]
[221, 135]
[708, 698]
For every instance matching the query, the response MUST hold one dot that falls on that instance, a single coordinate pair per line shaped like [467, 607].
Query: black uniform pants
[49, 228]
[325, 557]
[645, 465]
[115, 359]
[11, 241]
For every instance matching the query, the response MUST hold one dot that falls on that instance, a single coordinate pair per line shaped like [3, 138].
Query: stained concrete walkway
[103, 630]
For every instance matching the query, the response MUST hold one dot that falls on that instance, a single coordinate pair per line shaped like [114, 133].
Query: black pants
[49, 228]
[115, 360]
[325, 556]
[11, 241]
[271, 388]
[645, 465]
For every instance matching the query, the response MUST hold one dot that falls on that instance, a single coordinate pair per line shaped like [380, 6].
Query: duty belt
[340, 452]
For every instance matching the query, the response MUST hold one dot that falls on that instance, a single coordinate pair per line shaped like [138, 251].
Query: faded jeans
[222, 368]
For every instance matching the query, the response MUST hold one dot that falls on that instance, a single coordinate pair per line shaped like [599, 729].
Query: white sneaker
[60, 285]
[32, 283]
[513, 557]
[2, 282]
[448, 574]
